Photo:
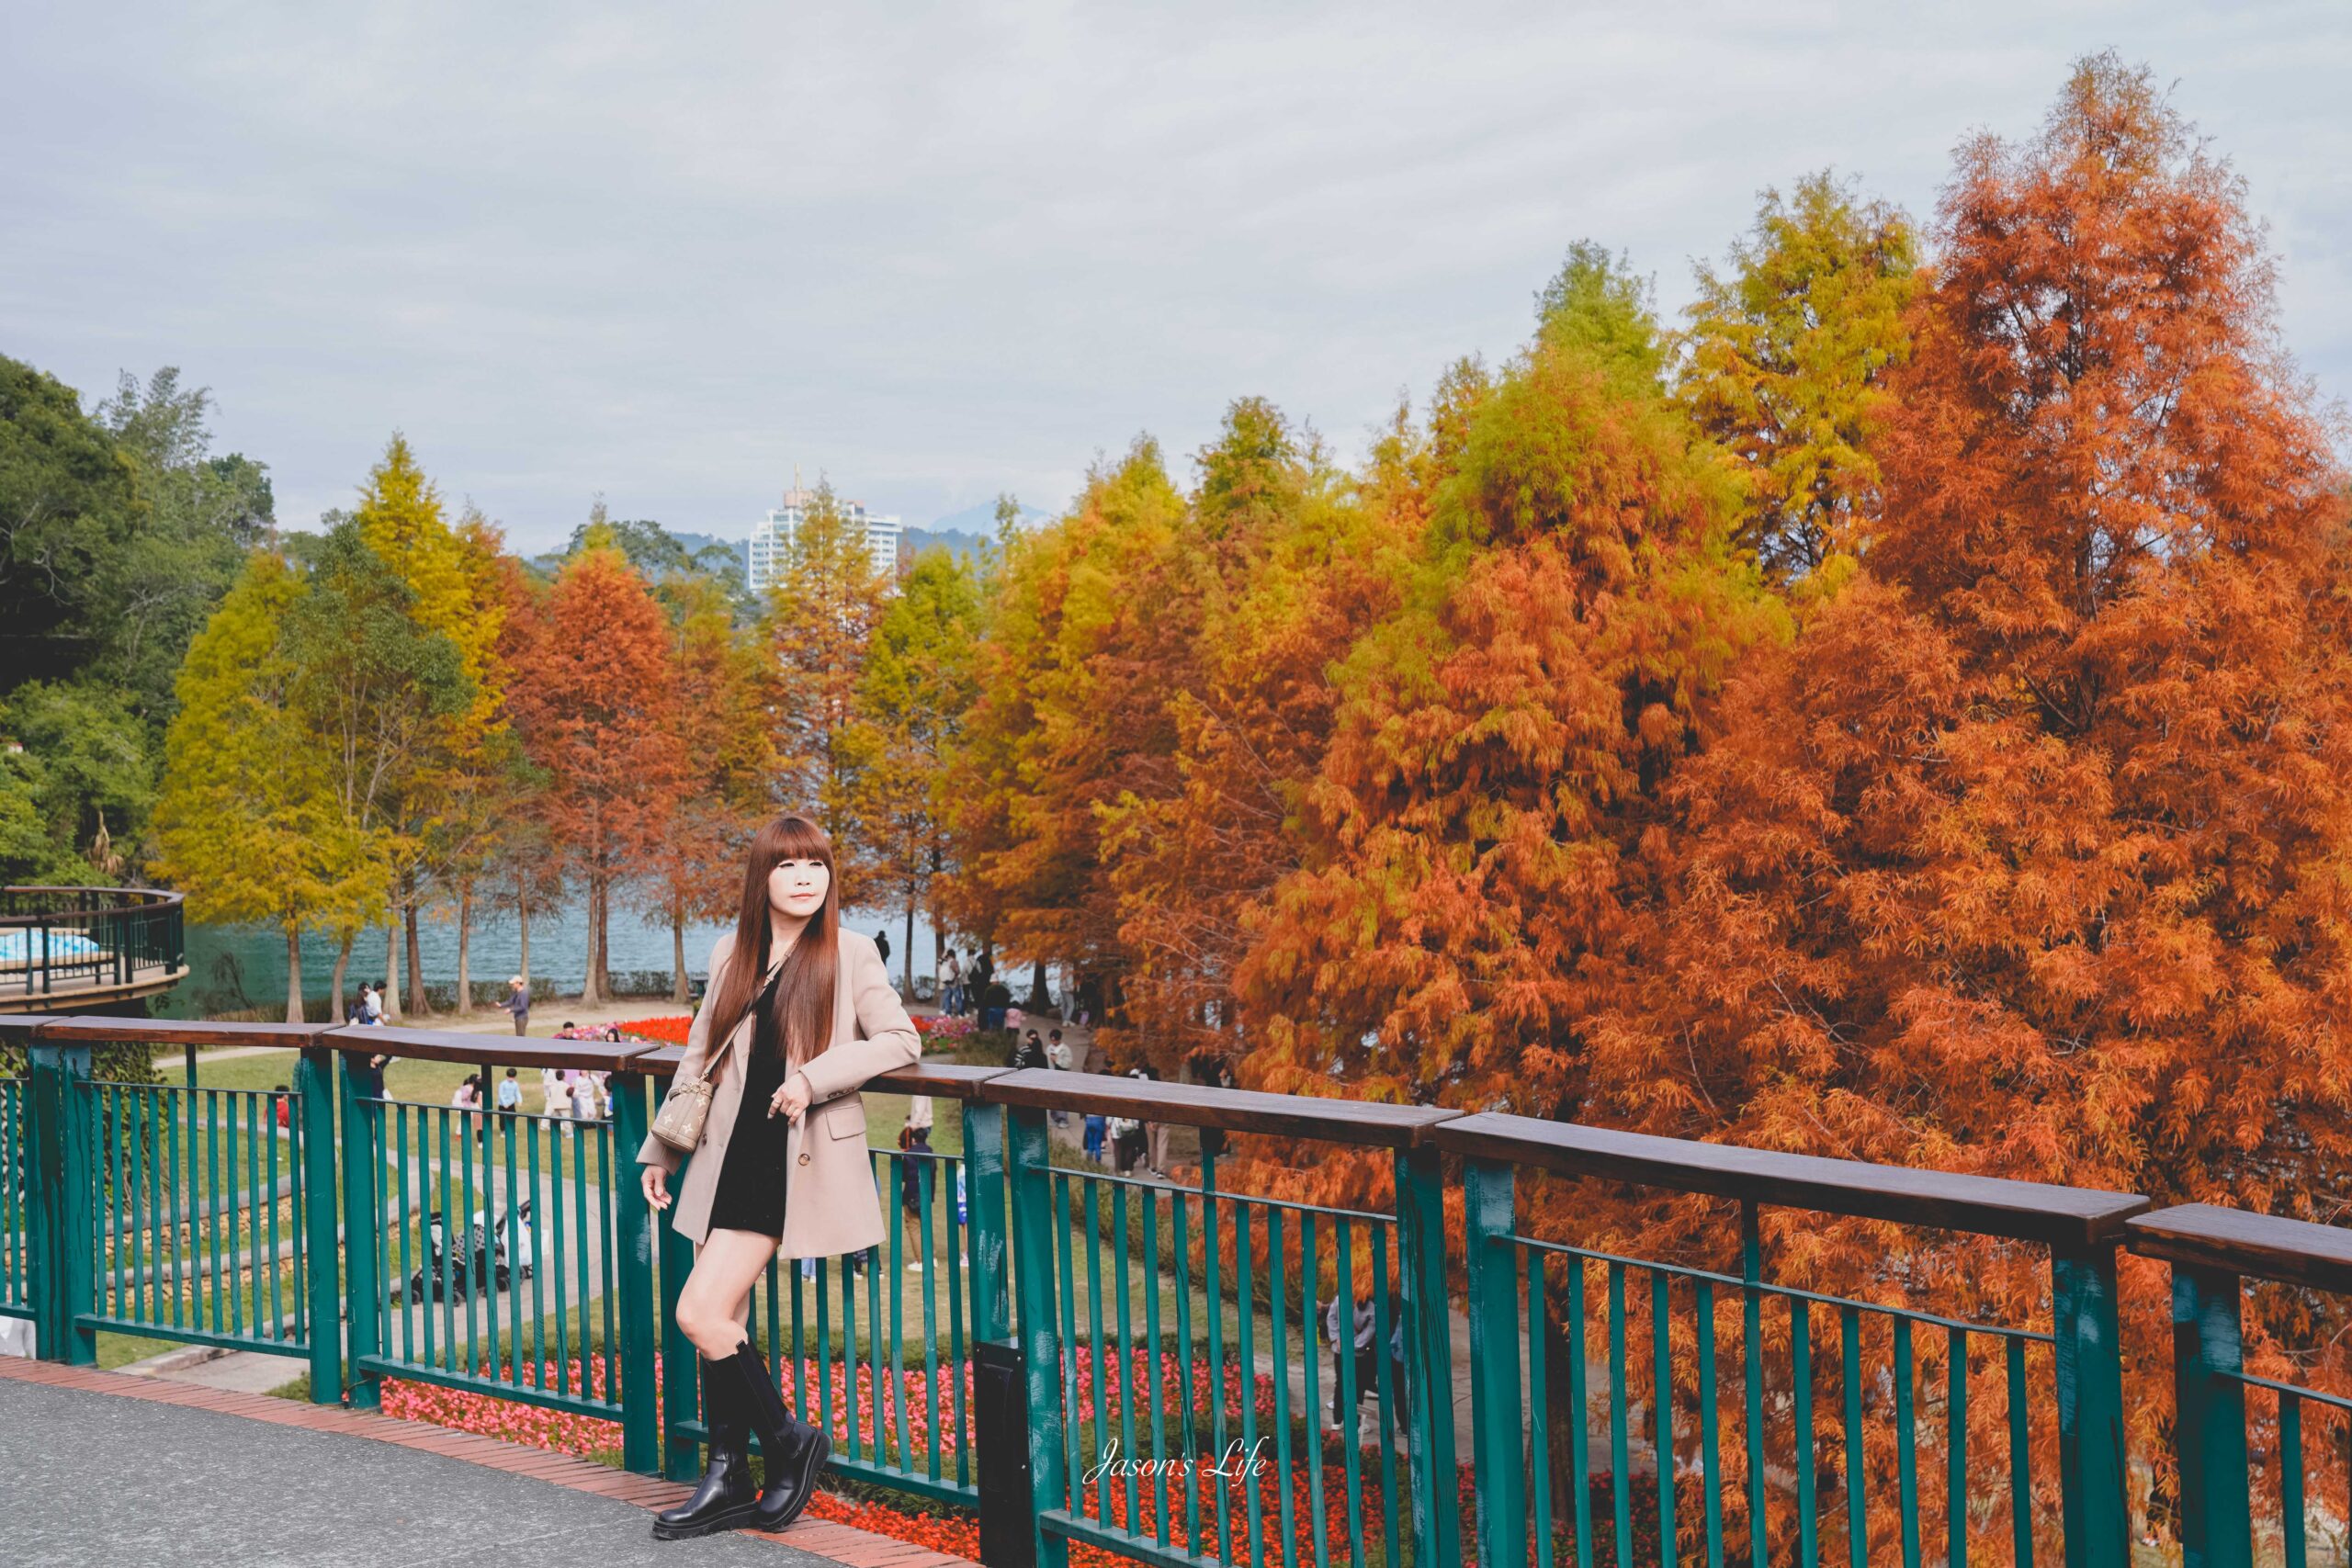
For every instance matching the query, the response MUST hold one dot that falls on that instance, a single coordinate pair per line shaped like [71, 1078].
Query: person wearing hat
[519, 1002]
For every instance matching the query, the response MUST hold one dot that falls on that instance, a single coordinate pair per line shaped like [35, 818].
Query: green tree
[68, 510]
[380, 691]
[919, 679]
[249, 822]
[1786, 361]
[817, 622]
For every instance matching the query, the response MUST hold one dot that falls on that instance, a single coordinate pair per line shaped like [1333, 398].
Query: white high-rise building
[763, 560]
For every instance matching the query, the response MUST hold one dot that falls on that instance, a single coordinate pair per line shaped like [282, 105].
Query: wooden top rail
[1230, 1110]
[129, 900]
[502, 1050]
[98, 1029]
[941, 1080]
[2024, 1211]
[2204, 1237]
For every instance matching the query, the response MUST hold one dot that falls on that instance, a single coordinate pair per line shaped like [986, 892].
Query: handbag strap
[712, 1064]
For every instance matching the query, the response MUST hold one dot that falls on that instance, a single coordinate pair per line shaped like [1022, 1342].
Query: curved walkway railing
[1027, 1325]
[62, 941]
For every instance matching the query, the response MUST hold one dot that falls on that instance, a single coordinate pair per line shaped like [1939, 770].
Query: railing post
[986, 1233]
[681, 1361]
[314, 1102]
[1421, 1241]
[1487, 1194]
[2208, 1423]
[633, 1278]
[362, 1223]
[1031, 1160]
[63, 1216]
[2089, 1354]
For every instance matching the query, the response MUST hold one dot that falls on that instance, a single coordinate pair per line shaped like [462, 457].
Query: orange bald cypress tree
[2029, 857]
[1475, 871]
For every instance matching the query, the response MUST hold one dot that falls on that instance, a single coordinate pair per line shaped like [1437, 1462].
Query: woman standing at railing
[805, 1017]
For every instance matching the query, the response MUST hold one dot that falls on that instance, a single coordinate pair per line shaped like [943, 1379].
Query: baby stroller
[483, 1262]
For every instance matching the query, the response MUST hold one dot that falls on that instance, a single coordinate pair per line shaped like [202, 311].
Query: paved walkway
[229, 1478]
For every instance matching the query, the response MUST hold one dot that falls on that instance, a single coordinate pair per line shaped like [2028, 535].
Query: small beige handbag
[685, 1108]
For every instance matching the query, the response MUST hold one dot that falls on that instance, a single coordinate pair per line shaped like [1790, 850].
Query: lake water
[233, 967]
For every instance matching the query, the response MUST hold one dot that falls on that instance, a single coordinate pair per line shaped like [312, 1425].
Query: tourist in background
[519, 1002]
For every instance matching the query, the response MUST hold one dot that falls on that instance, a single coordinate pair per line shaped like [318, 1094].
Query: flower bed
[958, 1533]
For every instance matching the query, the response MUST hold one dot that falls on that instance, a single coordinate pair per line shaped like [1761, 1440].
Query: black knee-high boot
[726, 1499]
[794, 1451]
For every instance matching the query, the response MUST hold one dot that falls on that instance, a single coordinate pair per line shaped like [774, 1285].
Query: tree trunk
[910, 949]
[334, 991]
[523, 918]
[392, 976]
[678, 951]
[591, 989]
[1038, 1000]
[294, 976]
[416, 1002]
[465, 968]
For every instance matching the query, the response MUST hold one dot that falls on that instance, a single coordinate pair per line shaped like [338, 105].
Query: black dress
[750, 1196]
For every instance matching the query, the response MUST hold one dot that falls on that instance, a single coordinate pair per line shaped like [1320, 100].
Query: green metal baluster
[824, 1350]
[1539, 1389]
[800, 1358]
[1119, 1249]
[1906, 1444]
[1808, 1441]
[182, 1210]
[1344, 1272]
[873, 1373]
[1619, 1459]
[960, 1241]
[618, 1340]
[1956, 1452]
[535, 1132]
[2021, 1459]
[1662, 1412]
[1849, 1334]
[111, 1240]
[1710, 1457]
[310, 1119]
[1277, 1312]
[850, 1357]
[1212, 1266]
[898, 1165]
[1384, 1328]
[400, 1219]
[1314, 1397]
[1156, 1379]
[277, 1306]
[551, 1263]
[2291, 1523]
[1073, 1353]
[251, 1221]
[1181, 1243]
[580, 1235]
[1245, 1313]
[1580, 1398]
[466, 1141]
[1751, 1306]
[212, 1202]
[510, 1125]
[930, 1261]
[1094, 1334]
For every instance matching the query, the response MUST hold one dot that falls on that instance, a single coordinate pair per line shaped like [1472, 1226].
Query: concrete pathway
[212, 1488]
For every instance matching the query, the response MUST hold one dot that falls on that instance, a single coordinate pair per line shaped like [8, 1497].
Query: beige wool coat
[831, 1205]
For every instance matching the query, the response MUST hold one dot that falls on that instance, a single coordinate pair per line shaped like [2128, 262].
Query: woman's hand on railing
[656, 1182]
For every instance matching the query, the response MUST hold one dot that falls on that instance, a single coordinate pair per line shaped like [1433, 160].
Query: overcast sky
[667, 254]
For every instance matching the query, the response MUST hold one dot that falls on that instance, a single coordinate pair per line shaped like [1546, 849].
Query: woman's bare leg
[713, 1302]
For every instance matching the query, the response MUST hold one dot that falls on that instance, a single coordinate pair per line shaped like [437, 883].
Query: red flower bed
[670, 1030]
[959, 1535]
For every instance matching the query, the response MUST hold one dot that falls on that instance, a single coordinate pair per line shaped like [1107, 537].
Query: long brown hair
[802, 1010]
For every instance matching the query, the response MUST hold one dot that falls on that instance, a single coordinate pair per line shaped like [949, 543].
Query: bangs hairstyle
[802, 1010]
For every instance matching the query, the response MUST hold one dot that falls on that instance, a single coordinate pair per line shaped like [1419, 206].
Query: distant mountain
[912, 542]
[980, 521]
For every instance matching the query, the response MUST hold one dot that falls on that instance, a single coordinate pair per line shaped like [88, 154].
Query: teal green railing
[2218, 1257]
[1029, 1324]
